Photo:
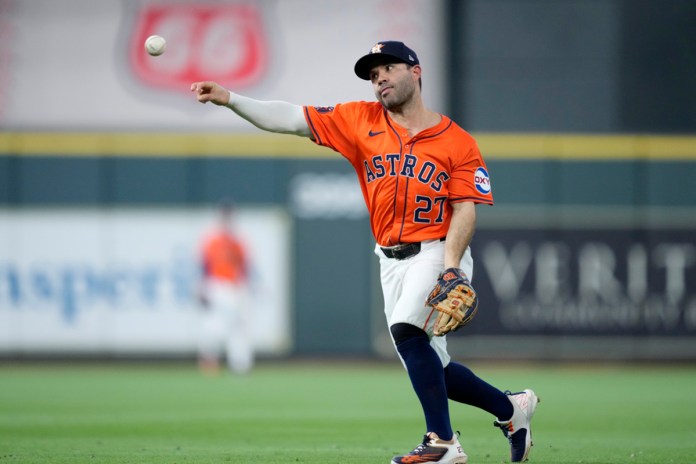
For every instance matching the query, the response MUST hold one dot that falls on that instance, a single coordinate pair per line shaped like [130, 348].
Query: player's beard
[400, 95]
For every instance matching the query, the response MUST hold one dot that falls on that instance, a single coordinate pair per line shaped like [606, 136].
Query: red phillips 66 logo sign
[216, 42]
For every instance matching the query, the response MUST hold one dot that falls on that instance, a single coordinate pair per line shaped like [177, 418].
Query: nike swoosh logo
[372, 134]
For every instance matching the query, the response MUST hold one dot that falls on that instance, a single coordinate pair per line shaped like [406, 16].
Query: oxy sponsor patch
[482, 181]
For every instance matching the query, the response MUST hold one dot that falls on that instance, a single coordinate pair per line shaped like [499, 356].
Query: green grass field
[330, 413]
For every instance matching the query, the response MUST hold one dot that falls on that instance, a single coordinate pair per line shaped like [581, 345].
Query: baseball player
[223, 294]
[421, 176]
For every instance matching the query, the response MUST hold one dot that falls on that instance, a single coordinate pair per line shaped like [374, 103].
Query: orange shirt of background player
[224, 258]
[407, 182]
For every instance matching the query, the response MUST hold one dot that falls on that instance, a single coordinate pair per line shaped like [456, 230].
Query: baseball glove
[454, 299]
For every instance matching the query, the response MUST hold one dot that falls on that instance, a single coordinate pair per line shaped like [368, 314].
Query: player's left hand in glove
[454, 299]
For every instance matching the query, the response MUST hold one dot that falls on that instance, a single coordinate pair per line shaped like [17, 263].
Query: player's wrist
[455, 268]
[230, 99]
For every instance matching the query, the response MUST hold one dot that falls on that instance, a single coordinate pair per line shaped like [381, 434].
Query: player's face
[394, 84]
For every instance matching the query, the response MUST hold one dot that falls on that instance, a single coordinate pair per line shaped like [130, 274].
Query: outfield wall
[582, 256]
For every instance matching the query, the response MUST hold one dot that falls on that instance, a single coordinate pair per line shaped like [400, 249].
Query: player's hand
[209, 91]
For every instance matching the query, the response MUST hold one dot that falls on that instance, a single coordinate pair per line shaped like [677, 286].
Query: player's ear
[416, 72]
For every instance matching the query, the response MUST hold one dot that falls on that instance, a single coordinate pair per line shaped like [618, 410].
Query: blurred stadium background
[109, 172]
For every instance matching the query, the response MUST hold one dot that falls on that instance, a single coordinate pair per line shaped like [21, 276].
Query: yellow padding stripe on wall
[133, 144]
[587, 147]
[507, 146]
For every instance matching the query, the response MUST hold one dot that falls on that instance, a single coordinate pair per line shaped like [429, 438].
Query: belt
[403, 250]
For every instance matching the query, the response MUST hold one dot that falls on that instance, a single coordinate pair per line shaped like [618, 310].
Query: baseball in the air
[155, 45]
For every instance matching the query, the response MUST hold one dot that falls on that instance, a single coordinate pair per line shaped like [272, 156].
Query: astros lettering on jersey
[408, 183]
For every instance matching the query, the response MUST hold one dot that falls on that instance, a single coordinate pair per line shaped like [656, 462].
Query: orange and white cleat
[435, 450]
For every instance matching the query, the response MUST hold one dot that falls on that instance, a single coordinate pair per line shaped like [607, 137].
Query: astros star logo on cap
[377, 48]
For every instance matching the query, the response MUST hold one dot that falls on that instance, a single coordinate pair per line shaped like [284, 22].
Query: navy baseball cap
[389, 51]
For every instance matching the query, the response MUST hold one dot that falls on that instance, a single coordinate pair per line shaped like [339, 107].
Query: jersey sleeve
[470, 179]
[333, 126]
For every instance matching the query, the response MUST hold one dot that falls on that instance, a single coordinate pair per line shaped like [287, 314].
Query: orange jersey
[408, 182]
[224, 258]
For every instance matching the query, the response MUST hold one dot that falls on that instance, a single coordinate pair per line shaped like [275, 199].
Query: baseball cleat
[433, 449]
[518, 430]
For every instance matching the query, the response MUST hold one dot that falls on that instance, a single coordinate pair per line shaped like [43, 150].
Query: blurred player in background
[421, 176]
[223, 293]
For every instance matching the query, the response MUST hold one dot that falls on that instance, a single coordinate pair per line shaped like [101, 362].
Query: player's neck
[414, 117]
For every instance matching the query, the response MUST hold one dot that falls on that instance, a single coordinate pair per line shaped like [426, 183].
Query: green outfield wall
[550, 189]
